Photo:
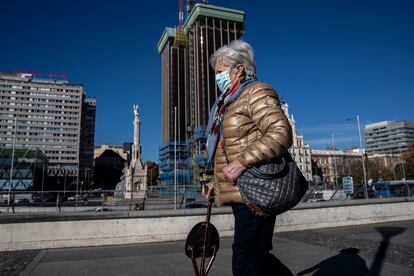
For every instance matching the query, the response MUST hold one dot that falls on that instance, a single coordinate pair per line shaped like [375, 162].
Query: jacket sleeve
[266, 113]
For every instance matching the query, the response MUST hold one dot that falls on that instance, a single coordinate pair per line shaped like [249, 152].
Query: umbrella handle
[211, 261]
[210, 204]
[193, 259]
[202, 272]
[203, 257]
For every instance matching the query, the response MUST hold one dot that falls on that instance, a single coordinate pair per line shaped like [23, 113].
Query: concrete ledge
[17, 233]
[72, 213]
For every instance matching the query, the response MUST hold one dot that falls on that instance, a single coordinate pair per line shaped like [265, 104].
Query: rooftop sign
[41, 74]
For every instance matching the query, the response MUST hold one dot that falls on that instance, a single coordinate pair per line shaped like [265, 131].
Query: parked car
[77, 198]
[22, 201]
[313, 200]
[43, 197]
[102, 209]
[195, 205]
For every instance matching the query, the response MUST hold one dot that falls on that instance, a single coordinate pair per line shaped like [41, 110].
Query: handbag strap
[260, 174]
[255, 170]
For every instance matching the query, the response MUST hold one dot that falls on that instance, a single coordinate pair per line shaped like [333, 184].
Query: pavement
[374, 249]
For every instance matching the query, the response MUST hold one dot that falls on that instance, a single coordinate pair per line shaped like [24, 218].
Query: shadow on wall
[348, 262]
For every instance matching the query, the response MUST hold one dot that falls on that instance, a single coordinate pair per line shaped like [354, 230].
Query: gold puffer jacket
[255, 131]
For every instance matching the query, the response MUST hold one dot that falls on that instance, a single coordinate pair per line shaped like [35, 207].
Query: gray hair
[237, 52]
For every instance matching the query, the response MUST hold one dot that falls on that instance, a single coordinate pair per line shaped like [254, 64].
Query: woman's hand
[233, 170]
[207, 190]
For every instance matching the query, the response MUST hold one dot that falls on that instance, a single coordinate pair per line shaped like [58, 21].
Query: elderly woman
[247, 127]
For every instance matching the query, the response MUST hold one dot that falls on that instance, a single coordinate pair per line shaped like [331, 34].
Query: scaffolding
[180, 39]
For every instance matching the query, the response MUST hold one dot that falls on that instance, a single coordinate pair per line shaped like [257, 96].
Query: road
[382, 249]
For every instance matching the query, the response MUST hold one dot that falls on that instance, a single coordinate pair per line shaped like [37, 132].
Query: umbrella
[203, 242]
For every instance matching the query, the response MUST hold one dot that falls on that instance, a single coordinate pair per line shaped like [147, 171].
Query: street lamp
[334, 157]
[77, 177]
[175, 157]
[12, 162]
[64, 182]
[43, 178]
[362, 156]
[402, 165]
[84, 181]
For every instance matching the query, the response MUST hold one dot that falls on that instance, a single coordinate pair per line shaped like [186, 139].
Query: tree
[356, 171]
[374, 170]
[405, 170]
[409, 154]
[406, 167]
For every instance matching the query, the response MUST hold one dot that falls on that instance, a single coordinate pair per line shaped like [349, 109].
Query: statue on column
[136, 111]
[135, 174]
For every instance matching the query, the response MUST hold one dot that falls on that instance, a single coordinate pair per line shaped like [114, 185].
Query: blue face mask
[223, 80]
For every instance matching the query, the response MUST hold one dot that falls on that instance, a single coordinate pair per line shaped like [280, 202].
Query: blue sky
[330, 60]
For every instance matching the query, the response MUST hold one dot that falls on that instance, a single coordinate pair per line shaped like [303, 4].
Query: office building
[173, 59]
[188, 81]
[391, 137]
[87, 138]
[47, 113]
[208, 28]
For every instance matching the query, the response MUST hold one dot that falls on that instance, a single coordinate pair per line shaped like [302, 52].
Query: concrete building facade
[299, 151]
[389, 137]
[45, 114]
[118, 149]
[109, 164]
[334, 164]
[388, 161]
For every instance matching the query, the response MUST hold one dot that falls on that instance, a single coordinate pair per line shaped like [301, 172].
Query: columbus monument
[135, 174]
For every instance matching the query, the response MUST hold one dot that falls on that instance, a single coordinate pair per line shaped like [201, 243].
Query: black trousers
[252, 242]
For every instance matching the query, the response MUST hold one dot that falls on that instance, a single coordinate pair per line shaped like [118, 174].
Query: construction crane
[180, 38]
[180, 14]
[189, 6]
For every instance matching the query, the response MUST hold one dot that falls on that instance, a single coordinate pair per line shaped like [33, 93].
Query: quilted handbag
[273, 188]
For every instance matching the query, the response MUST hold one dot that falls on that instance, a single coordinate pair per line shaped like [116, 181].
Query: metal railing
[155, 197]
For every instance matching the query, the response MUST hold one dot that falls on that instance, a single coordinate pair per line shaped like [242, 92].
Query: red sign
[32, 72]
[57, 75]
[41, 74]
